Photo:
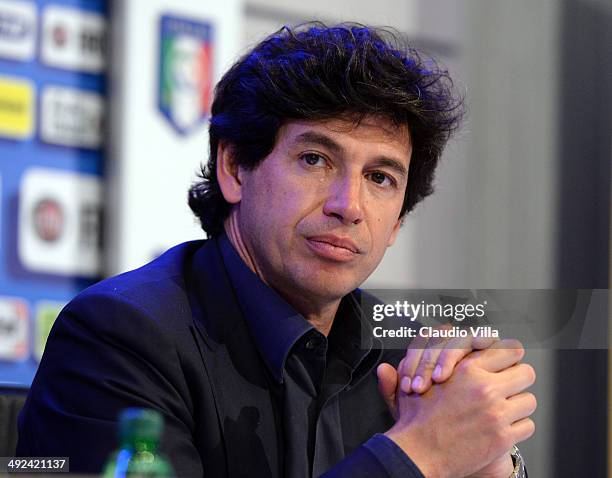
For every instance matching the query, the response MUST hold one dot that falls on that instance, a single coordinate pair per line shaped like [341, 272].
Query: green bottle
[140, 430]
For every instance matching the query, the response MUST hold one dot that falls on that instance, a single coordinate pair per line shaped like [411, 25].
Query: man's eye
[380, 178]
[313, 159]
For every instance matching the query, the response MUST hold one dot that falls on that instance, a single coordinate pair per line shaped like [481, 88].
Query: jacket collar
[212, 296]
[239, 382]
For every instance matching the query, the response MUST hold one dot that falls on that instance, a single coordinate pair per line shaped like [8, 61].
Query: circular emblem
[59, 35]
[48, 219]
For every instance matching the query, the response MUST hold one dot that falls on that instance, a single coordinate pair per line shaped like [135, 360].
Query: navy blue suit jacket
[170, 336]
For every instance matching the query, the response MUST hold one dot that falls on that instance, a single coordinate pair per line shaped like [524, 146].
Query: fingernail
[437, 372]
[416, 383]
[405, 384]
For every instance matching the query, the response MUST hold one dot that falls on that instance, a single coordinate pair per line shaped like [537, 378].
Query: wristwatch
[519, 465]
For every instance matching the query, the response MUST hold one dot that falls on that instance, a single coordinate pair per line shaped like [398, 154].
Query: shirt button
[312, 344]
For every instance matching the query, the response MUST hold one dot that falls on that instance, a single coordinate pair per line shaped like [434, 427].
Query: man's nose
[345, 201]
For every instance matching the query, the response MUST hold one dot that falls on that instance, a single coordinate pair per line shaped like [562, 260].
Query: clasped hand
[460, 404]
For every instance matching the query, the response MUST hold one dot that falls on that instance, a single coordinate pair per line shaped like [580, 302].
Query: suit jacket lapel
[235, 370]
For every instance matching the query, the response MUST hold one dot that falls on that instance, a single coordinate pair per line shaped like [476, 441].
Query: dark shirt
[309, 374]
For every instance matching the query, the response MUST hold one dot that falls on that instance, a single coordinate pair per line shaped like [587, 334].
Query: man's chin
[329, 291]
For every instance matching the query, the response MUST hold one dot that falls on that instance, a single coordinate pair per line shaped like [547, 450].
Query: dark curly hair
[316, 72]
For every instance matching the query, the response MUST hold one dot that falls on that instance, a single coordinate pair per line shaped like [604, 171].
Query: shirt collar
[276, 326]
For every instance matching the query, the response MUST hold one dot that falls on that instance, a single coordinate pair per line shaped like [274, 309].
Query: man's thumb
[387, 385]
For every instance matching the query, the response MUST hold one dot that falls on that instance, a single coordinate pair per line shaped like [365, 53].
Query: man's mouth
[333, 247]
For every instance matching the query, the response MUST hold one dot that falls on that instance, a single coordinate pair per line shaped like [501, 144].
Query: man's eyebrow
[321, 139]
[394, 164]
[317, 138]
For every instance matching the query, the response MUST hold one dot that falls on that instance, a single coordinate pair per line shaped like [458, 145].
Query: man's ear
[228, 173]
[395, 231]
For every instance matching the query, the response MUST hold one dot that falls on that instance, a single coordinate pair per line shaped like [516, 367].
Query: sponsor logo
[59, 226]
[71, 117]
[46, 313]
[17, 29]
[48, 220]
[16, 108]
[14, 329]
[185, 73]
[73, 39]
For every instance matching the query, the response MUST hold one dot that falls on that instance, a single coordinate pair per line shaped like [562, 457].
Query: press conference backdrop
[68, 136]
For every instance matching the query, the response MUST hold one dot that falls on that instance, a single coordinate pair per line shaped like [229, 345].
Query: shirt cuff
[393, 459]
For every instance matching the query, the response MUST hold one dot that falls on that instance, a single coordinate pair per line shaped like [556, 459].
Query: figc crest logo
[185, 72]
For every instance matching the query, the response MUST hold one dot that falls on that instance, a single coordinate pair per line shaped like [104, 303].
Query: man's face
[317, 214]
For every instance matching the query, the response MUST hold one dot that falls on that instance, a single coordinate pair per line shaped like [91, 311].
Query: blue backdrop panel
[52, 87]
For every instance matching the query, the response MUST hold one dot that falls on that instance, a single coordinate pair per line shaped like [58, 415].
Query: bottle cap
[140, 424]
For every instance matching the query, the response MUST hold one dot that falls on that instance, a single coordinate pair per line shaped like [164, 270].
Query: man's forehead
[369, 129]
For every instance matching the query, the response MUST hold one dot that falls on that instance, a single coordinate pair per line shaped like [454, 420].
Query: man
[250, 343]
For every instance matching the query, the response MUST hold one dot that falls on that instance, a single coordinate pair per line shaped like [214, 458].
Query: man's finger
[516, 378]
[521, 406]
[411, 361]
[454, 351]
[522, 429]
[404, 380]
[421, 382]
[480, 342]
[501, 355]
